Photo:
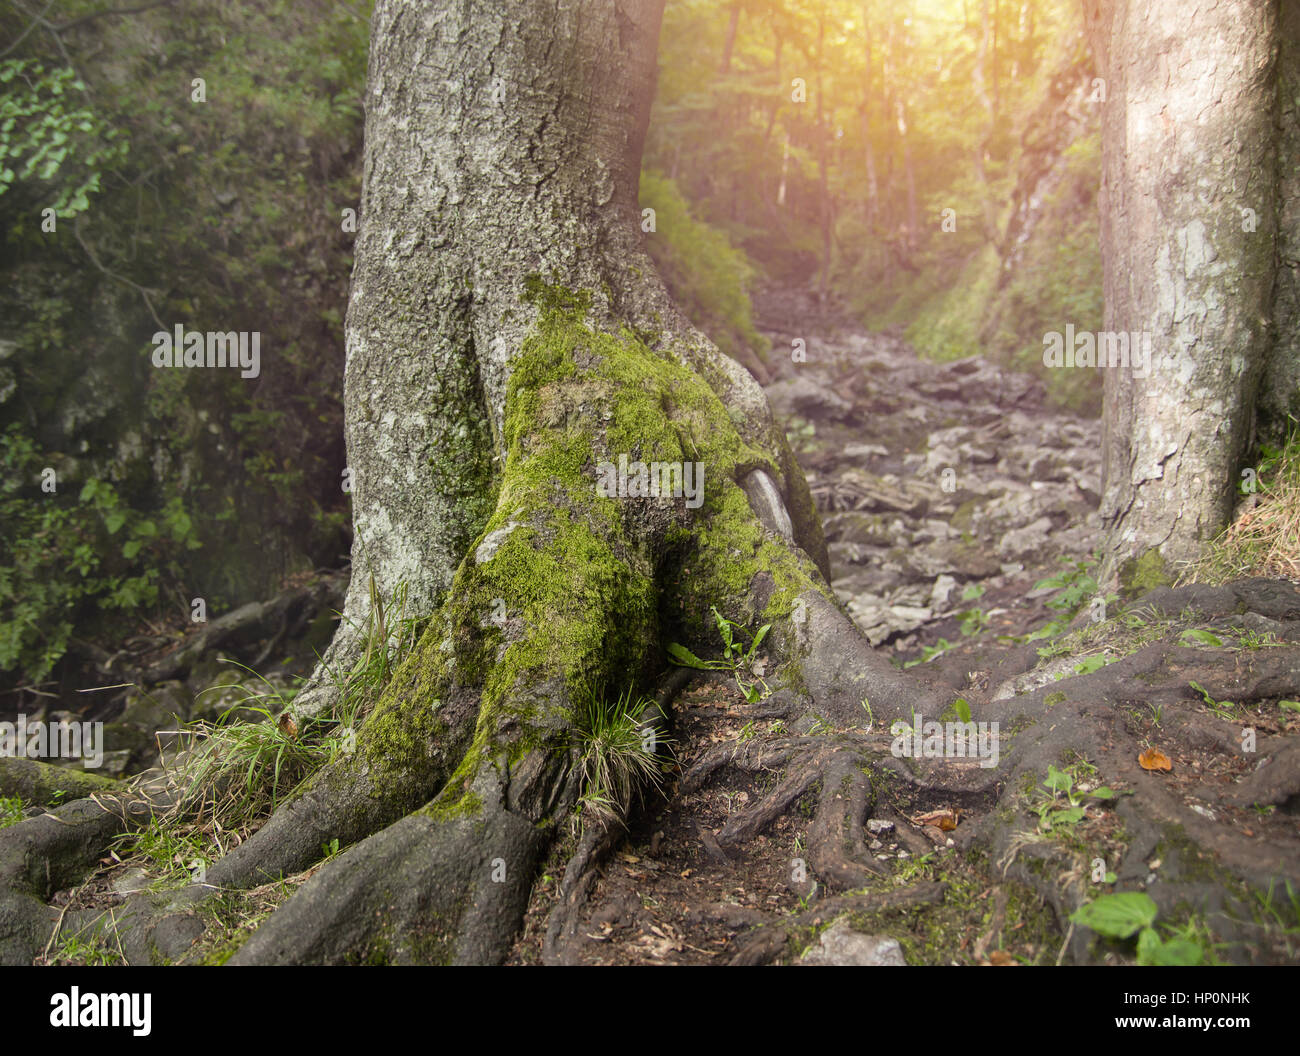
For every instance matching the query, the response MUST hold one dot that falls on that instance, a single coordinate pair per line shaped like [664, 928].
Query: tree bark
[1189, 233]
[507, 335]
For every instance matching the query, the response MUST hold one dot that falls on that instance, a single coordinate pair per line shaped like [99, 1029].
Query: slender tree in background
[1199, 227]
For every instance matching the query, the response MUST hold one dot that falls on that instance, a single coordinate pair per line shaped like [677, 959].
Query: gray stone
[841, 945]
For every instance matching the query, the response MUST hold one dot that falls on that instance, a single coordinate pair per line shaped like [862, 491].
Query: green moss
[1137, 575]
[1186, 861]
[963, 516]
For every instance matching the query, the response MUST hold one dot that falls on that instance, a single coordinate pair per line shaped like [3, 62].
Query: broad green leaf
[1117, 916]
[1091, 664]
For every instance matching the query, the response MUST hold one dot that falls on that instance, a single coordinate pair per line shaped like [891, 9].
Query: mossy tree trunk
[507, 334]
[1194, 215]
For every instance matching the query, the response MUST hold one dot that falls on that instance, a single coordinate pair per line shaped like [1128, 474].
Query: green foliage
[1059, 802]
[221, 214]
[1123, 914]
[172, 853]
[1075, 588]
[49, 134]
[708, 277]
[930, 652]
[1194, 635]
[11, 811]
[1223, 707]
[89, 947]
[70, 562]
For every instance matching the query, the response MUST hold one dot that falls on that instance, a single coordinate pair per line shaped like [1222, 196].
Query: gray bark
[1188, 146]
[475, 114]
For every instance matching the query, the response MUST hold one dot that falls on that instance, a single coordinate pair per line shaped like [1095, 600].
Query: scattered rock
[841, 945]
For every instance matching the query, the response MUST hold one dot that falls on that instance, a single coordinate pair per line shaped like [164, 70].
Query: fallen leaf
[1001, 957]
[943, 820]
[288, 727]
[1154, 759]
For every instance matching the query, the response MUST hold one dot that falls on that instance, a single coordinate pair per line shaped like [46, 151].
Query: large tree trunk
[507, 334]
[1190, 213]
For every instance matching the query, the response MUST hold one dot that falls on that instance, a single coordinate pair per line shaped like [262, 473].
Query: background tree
[1195, 218]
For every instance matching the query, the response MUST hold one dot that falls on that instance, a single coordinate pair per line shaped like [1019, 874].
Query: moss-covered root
[47, 853]
[752, 572]
[445, 885]
[346, 802]
[404, 751]
[33, 781]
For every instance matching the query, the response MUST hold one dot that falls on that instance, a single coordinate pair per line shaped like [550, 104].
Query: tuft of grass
[237, 772]
[88, 948]
[171, 853]
[1264, 538]
[617, 752]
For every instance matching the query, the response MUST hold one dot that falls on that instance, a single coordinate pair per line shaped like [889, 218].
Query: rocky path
[945, 488]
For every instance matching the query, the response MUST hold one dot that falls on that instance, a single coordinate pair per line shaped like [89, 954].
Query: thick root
[438, 887]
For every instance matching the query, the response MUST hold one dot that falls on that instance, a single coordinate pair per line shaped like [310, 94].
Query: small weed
[11, 811]
[1061, 802]
[735, 657]
[1220, 707]
[1123, 914]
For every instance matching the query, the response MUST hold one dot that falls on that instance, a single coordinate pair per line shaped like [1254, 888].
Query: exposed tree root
[36, 782]
[437, 886]
[575, 888]
[52, 851]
